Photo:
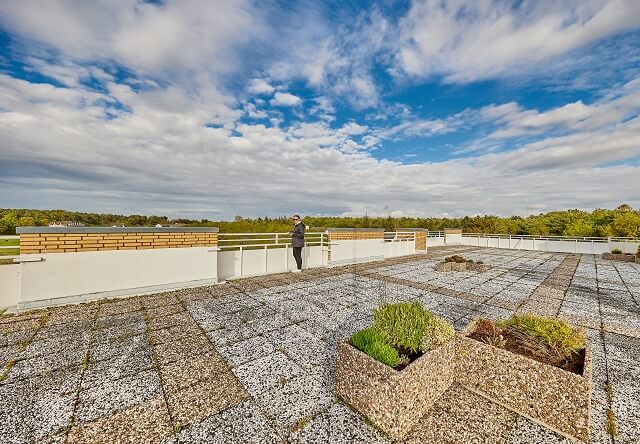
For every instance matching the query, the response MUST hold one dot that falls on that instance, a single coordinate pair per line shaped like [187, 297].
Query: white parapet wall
[355, 245]
[556, 244]
[258, 261]
[79, 277]
[71, 265]
[395, 248]
[9, 286]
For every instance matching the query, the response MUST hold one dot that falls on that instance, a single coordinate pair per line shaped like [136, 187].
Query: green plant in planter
[616, 251]
[373, 344]
[559, 335]
[402, 325]
[437, 333]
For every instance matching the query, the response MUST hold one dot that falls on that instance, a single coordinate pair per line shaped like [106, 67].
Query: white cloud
[466, 40]
[285, 99]
[260, 86]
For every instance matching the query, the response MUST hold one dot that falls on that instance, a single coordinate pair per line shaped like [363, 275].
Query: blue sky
[413, 108]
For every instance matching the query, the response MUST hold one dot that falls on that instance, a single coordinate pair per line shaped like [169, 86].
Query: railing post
[286, 257]
[241, 259]
[266, 259]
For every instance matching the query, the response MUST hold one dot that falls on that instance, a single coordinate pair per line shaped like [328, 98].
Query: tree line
[622, 221]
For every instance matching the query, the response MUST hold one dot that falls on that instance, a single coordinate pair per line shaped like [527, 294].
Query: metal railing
[399, 236]
[553, 237]
[5, 247]
[435, 233]
[253, 241]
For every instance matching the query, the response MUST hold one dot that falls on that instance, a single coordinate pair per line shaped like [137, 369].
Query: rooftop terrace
[253, 360]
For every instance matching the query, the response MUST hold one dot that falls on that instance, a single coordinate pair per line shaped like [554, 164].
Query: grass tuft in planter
[394, 371]
[538, 367]
[402, 325]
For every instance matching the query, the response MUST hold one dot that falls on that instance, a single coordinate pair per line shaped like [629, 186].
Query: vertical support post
[241, 259]
[266, 259]
[286, 257]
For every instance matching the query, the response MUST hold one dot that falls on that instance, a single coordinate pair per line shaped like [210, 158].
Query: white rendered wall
[9, 285]
[353, 251]
[77, 277]
[399, 248]
[453, 239]
[234, 263]
[551, 245]
[435, 241]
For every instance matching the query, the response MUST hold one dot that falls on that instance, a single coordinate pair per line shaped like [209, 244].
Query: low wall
[453, 236]
[397, 248]
[9, 285]
[552, 245]
[255, 262]
[143, 260]
[354, 245]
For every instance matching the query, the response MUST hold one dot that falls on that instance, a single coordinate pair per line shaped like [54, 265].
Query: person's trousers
[297, 254]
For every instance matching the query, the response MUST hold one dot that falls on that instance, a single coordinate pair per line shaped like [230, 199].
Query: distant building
[66, 223]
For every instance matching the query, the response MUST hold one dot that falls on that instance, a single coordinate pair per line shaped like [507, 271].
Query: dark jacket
[297, 235]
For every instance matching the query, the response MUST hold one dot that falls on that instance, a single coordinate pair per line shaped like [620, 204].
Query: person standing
[297, 241]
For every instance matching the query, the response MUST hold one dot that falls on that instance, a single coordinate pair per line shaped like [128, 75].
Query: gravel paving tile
[15, 338]
[120, 306]
[175, 333]
[226, 336]
[113, 396]
[54, 345]
[244, 423]
[118, 320]
[6, 354]
[267, 372]
[34, 409]
[42, 364]
[182, 374]
[240, 352]
[72, 313]
[159, 300]
[183, 349]
[148, 422]
[177, 319]
[134, 361]
[206, 398]
[68, 329]
[337, 425]
[294, 401]
[106, 348]
[525, 431]
[164, 310]
[461, 416]
[120, 332]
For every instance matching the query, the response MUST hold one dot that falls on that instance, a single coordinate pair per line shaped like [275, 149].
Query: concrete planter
[621, 257]
[555, 398]
[461, 266]
[394, 400]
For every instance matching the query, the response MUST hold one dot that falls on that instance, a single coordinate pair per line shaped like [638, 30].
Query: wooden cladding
[73, 242]
[355, 235]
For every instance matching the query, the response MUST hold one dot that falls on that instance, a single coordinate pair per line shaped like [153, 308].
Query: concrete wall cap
[92, 230]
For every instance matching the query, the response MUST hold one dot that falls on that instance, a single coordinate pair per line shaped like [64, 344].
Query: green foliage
[616, 251]
[373, 344]
[455, 258]
[480, 262]
[437, 333]
[402, 325]
[556, 333]
[364, 338]
[383, 352]
[622, 221]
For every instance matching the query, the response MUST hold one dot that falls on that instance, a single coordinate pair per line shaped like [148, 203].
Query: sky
[211, 109]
